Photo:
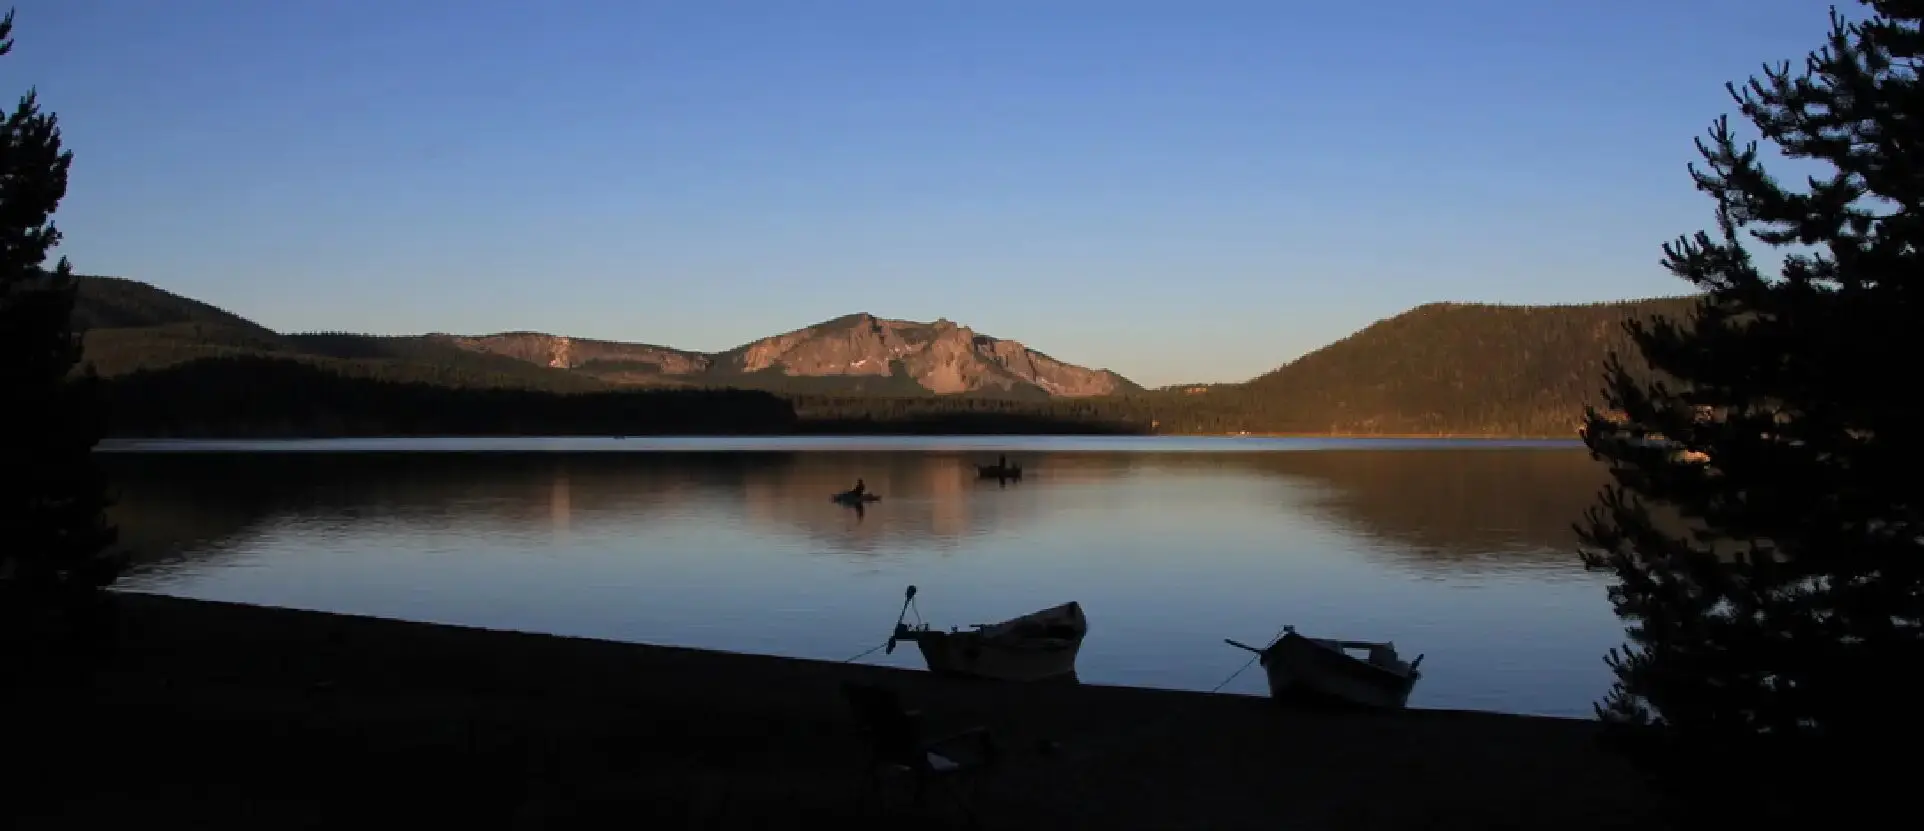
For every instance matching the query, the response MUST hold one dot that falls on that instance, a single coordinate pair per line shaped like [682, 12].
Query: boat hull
[963, 653]
[1299, 667]
[1040, 645]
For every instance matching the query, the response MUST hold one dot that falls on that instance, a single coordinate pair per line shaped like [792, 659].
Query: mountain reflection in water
[1432, 509]
[1462, 553]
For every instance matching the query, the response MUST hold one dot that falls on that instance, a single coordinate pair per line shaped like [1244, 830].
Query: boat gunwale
[1001, 634]
[1410, 675]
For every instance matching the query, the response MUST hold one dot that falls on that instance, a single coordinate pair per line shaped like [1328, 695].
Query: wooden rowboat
[1041, 644]
[1324, 668]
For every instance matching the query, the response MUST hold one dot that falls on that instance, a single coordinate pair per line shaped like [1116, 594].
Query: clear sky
[1184, 190]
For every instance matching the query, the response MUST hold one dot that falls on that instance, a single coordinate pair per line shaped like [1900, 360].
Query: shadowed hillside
[134, 326]
[130, 325]
[1443, 368]
[243, 396]
[1440, 369]
[116, 303]
[435, 360]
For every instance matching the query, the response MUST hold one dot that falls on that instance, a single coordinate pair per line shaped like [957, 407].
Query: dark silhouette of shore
[239, 716]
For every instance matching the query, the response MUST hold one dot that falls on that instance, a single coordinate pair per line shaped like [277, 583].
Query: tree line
[260, 396]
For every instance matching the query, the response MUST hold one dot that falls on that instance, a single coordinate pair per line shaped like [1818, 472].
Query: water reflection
[1463, 554]
[1430, 510]
[1453, 511]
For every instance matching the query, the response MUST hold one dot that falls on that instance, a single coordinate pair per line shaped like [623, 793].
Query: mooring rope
[1082, 750]
[871, 651]
[1124, 738]
[1247, 664]
[1239, 670]
[907, 606]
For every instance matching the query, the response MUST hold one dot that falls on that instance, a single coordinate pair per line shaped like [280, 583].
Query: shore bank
[224, 715]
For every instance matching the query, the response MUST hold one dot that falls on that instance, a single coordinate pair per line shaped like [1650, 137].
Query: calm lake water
[1461, 550]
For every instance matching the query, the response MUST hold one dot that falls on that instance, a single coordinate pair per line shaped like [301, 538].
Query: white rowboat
[1324, 668]
[1038, 645]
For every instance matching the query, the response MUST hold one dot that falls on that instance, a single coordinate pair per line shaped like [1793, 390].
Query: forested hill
[133, 326]
[1439, 369]
[1442, 368]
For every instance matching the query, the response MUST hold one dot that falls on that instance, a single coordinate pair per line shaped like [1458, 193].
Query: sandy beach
[213, 715]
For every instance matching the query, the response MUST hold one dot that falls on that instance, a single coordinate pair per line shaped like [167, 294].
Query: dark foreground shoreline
[214, 715]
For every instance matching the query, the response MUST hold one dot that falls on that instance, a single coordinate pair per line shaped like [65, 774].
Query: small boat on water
[1041, 644]
[1000, 470]
[853, 498]
[1324, 668]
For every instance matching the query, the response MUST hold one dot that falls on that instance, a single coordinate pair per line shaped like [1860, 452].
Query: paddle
[907, 598]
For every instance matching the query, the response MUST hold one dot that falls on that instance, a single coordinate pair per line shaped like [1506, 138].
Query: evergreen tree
[53, 529]
[1772, 629]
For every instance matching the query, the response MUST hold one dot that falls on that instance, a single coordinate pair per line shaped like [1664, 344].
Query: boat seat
[1384, 655]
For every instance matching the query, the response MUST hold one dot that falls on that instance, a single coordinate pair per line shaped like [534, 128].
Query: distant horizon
[1027, 343]
[1253, 180]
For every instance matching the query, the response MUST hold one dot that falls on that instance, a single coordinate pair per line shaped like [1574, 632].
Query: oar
[1241, 645]
[907, 598]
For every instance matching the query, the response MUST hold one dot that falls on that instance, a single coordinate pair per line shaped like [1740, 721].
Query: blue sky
[1179, 191]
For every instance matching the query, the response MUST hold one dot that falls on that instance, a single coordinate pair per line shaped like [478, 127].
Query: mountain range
[1440, 368]
[856, 353]
[133, 325]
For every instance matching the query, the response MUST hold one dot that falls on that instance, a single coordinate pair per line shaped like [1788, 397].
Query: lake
[1460, 550]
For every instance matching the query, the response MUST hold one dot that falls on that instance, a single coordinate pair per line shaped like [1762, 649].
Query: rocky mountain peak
[942, 356]
[901, 356]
